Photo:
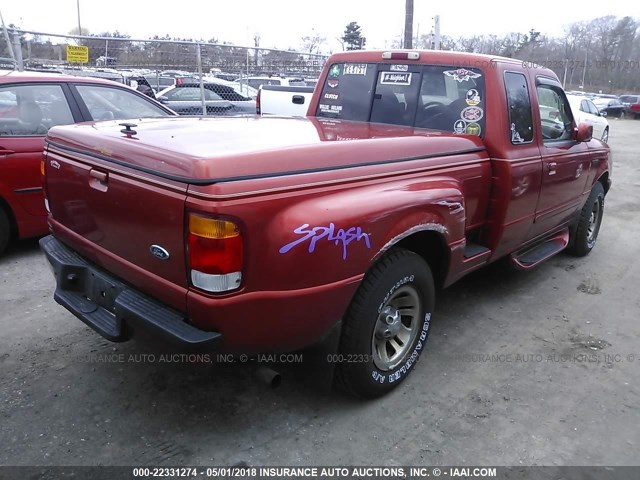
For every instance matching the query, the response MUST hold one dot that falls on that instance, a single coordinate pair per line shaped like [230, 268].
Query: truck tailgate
[135, 220]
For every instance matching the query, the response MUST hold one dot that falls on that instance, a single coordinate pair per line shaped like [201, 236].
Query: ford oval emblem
[159, 252]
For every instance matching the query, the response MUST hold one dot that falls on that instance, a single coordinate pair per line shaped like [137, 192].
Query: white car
[257, 82]
[584, 110]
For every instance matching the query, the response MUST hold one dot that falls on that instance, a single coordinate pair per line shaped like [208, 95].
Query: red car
[632, 102]
[30, 104]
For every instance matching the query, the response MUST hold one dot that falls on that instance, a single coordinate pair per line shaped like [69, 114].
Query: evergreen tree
[352, 38]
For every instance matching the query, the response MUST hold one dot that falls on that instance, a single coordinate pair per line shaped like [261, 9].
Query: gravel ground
[522, 368]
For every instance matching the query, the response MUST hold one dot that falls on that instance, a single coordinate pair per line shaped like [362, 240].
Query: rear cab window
[448, 98]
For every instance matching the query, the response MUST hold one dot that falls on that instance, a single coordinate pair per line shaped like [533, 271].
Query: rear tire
[586, 233]
[5, 230]
[386, 325]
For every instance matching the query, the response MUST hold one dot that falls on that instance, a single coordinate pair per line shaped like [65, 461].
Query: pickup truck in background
[271, 234]
[287, 101]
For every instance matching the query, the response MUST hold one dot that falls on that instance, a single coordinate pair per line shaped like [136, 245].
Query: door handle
[98, 180]
[98, 175]
[551, 168]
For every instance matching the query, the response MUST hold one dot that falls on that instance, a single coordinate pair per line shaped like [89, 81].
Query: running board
[473, 249]
[529, 258]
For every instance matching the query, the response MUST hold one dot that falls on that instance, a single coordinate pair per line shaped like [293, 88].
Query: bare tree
[312, 43]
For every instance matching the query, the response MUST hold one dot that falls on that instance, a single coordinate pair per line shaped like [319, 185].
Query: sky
[283, 23]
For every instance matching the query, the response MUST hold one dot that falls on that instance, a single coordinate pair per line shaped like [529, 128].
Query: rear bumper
[114, 309]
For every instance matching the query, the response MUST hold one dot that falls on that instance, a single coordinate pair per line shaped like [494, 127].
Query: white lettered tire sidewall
[398, 269]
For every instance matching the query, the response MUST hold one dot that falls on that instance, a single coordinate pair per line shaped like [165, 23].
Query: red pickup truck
[266, 234]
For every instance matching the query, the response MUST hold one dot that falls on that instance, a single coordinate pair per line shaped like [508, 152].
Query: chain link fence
[192, 78]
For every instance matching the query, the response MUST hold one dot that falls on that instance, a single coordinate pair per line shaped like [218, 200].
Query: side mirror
[584, 132]
[163, 99]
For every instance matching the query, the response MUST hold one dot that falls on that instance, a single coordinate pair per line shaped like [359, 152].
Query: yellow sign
[77, 54]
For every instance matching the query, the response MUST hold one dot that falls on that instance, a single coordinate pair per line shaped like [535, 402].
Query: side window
[208, 95]
[555, 114]
[31, 110]
[584, 106]
[226, 93]
[593, 110]
[520, 119]
[109, 103]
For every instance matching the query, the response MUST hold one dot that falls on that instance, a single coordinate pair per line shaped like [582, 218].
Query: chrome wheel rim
[396, 328]
[594, 222]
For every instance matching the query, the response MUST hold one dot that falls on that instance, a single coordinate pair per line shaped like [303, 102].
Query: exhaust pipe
[269, 376]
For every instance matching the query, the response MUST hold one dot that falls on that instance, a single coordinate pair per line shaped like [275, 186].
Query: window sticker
[460, 126]
[334, 109]
[330, 96]
[472, 97]
[335, 71]
[462, 74]
[399, 68]
[333, 83]
[392, 78]
[515, 136]
[473, 129]
[355, 69]
[472, 114]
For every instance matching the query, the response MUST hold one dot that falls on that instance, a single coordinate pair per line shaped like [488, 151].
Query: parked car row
[613, 105]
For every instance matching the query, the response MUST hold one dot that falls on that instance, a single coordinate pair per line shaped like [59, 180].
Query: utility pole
[408, 24]
[79, 27]
[6, 38]
[436, 32]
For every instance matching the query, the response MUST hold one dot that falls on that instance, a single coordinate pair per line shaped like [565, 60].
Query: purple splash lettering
[314, 235]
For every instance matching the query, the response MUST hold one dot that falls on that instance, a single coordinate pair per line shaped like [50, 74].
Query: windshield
[439, 97]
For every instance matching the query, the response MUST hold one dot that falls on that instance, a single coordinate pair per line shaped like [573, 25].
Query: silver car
[185, 98]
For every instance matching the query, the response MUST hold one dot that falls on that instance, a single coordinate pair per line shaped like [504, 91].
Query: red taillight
[215, 253]
[215, 256]
[258, 101]
[43, 182]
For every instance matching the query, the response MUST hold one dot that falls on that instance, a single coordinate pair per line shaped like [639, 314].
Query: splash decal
[331, 234]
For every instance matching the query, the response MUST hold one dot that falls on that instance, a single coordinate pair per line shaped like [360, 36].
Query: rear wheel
[386, 325]
[586, 233]
[5, 230]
